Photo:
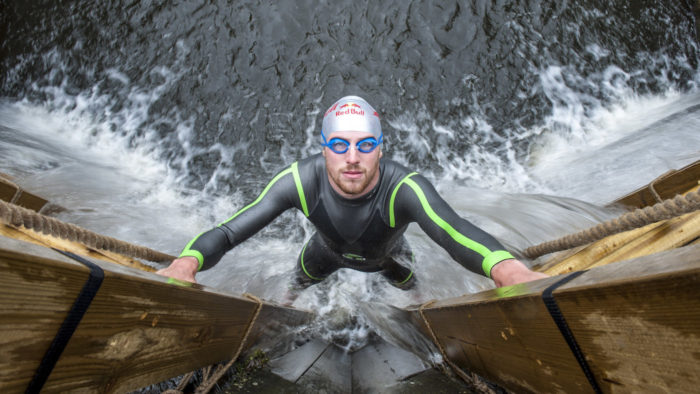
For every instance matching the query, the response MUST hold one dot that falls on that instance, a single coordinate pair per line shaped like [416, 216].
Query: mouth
[353, 174]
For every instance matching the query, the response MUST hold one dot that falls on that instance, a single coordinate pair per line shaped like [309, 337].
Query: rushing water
[151, 121]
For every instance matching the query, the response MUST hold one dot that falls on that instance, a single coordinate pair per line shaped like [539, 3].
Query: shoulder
[396, 174]
[311, 167]
[392, 171]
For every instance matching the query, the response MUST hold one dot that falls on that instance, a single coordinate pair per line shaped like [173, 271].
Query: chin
[354, 189]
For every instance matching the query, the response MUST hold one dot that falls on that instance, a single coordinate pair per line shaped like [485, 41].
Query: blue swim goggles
[340, 146]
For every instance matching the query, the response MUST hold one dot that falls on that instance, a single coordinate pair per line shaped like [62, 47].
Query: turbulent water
[151, 121]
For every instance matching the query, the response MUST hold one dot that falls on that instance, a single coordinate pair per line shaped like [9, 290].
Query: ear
[381, 153]
[324, 152]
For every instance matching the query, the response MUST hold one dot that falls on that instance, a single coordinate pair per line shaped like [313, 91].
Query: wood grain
[637, 322]
[667, 186]
[138, 330]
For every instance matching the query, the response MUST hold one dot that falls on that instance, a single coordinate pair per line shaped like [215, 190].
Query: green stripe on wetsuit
[303, 266]
[293, 169]
[187, 252]
[491, 258]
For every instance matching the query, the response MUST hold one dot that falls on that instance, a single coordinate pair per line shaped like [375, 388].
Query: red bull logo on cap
[331, 109]
[350, 109]
[339, 117]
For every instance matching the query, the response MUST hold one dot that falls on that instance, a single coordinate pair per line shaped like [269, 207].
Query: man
[361, 206]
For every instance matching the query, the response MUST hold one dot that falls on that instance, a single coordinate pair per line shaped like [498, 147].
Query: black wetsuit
[365, 233]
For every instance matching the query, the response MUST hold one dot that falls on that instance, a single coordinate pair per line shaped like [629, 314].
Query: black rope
[69, 325]
[559, 320]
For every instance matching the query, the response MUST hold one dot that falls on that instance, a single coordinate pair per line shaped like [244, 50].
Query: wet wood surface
[653, 238]
[507, 336]
[10, 192]
[637, 323]
[666, 186]
[138, 330]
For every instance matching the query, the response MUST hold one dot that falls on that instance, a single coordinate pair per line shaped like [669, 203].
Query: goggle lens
[340, 146]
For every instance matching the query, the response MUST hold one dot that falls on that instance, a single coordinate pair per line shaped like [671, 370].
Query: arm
[206, 249]
[417, 200]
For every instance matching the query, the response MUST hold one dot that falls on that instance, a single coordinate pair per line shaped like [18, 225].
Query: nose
[352, 155]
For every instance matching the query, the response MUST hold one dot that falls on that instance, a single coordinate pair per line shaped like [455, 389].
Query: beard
[354, 186]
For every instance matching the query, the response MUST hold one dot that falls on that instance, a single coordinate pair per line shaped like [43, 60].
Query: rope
[667, 209]
[472, 379]
[18, 216]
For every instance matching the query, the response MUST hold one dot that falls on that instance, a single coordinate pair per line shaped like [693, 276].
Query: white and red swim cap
[351, 113]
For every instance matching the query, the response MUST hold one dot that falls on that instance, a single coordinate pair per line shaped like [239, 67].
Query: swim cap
[351, 113]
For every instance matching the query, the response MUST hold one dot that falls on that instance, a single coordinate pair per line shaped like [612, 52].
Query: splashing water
[153, 123]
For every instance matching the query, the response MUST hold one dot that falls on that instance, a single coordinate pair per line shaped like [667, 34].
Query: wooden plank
[331, 373]
[30, 201]
[638, 321]
[34, 301]
[653, 238]
[672, 234]
[380, 366]
[583, 257]
[10, 192]
[667, 186]
[7, 189]
[507, 336]
[138, 330]
[294, 364]
[628, 318]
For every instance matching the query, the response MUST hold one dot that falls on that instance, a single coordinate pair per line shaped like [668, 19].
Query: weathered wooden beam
[583, 257]
[637, 323]
[653, 238]
[10, 192]
[667, 186]
[8, 189]
[507, 336]
[138, 330]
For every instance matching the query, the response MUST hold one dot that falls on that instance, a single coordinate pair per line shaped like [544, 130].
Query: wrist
[511, 271]
[506, 269]
[186, 264]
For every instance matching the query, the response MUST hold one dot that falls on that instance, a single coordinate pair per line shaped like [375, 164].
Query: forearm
[209, 247]
[469, 245]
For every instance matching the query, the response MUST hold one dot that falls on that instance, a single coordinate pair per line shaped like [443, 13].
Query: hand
[183, 268]
[511, 272]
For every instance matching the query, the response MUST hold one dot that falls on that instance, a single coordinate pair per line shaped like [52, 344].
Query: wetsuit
[365, 233]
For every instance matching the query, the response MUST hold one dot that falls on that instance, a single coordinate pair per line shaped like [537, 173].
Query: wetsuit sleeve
[415, 199]
[283, 192]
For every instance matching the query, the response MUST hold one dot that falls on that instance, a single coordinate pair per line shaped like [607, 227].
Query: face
[353, 173]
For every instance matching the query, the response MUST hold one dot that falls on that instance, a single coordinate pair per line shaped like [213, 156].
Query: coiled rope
[667, 209]
[18, 216]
